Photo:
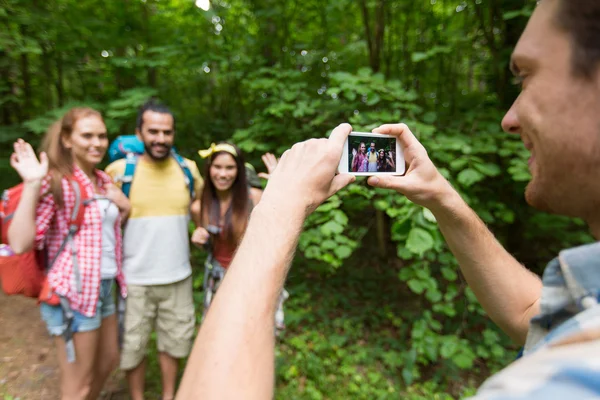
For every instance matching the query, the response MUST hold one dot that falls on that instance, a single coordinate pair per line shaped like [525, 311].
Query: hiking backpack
[131, 147]
[25, 274]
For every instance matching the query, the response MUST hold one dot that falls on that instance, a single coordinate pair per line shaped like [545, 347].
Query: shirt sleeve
[563, 372]
[114, 170]
[44, 214]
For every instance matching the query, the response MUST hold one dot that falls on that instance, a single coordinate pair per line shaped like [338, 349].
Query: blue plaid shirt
[569, 305]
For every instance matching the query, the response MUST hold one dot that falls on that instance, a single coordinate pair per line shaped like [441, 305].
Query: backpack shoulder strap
[189, 178]
[130, 163]
[82, 199]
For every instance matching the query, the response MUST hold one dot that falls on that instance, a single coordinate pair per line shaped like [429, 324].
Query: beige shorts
[169, 308]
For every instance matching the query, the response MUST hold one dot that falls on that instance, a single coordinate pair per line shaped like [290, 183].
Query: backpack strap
[75, 222]
[189, 178]
[130, 163]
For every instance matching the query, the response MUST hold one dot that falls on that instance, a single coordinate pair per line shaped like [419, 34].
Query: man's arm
[508, 292]
[233, 357]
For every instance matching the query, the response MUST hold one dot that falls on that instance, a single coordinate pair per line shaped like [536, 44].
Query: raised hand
[422, 183]
[270, 162]
[26, 163]
[306, 174]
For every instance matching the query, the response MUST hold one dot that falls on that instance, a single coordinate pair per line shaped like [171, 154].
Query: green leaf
[488, 169]
[416, 286]
[419, 241]
[329, 244]
[332, 227]
[429, 215]
[469, 176]
[449, 274]
[464, 359]
[342, 252]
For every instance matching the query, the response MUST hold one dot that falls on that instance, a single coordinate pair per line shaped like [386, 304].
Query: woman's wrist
[37, 182]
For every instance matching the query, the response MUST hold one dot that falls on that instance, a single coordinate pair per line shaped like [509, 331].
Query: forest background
[378, 307]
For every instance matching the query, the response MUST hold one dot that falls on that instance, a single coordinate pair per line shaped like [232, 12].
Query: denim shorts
[53, 315]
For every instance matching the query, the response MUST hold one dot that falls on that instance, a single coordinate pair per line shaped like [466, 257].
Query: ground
[28, 366]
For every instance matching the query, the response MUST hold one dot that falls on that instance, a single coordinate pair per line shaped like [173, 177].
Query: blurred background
[378, 308]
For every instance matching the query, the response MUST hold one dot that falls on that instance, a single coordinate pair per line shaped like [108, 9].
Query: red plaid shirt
[52, 225]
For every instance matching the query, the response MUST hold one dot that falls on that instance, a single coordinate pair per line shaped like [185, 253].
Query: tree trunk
[374, 40]
[26, 78]
[60, 88]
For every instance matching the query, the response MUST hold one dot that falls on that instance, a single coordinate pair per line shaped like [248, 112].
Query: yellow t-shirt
[156, 239]
[372, 156]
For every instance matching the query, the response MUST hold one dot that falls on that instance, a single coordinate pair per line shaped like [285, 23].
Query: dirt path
[28, 367]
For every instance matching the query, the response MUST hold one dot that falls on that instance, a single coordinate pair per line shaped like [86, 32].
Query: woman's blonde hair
[60, 159]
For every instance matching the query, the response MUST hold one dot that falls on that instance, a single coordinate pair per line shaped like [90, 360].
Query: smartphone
[367, 154]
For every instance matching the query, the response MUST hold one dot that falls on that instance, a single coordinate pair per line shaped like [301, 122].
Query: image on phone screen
[371, 154]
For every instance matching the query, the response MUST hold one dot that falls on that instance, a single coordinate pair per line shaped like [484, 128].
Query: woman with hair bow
[224, 208]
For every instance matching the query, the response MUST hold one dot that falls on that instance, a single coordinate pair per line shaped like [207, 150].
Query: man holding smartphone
[558, 319]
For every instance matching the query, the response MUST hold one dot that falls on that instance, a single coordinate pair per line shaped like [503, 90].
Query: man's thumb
[387, 182]
[339, 182]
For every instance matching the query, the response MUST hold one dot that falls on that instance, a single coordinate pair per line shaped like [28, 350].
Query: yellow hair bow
[215, 148]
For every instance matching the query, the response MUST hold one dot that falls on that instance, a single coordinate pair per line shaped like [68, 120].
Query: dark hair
[581, 19]
[236, 217]
[60, 159]
[152, 105]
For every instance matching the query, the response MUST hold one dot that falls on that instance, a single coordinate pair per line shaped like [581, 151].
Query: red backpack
[25, 273]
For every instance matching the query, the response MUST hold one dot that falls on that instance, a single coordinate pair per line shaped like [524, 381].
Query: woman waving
[80, 310]
[225, 207]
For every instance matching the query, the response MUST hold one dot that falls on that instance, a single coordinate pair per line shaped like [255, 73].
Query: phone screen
[371, 154]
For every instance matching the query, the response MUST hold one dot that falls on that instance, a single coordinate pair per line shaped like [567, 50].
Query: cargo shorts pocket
[139, 316]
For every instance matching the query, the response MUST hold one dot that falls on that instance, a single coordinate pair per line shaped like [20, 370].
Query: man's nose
[510, 122]
[160, 137]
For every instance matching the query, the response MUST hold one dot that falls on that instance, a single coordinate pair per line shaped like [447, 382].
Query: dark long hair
[60, 159]
[236, 217]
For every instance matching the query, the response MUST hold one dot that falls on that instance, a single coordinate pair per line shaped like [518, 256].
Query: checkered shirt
[569, 306]
[52, 226]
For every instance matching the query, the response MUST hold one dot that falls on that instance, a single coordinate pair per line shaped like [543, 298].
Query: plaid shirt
[569, 306]
[52, 225]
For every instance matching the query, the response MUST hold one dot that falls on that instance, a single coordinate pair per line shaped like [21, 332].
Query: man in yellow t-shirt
[156, 253]
[372, 157]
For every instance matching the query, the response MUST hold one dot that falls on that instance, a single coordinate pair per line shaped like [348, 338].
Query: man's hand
[306, 174]
[25, 162]
[200, 236]
[422, 184]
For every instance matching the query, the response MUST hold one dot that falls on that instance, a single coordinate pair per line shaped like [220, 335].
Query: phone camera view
[371, 154]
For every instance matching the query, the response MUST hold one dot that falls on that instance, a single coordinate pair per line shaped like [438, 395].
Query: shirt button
[588, 302]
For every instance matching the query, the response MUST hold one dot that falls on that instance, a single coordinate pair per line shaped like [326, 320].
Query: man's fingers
[388, 182]
[339, 182]
[407, 139]
[339, 134]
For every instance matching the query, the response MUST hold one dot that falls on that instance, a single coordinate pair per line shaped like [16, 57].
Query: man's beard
[152, 156]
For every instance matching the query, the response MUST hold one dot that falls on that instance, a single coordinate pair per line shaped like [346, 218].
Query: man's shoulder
[117, 167]
[190, 163]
